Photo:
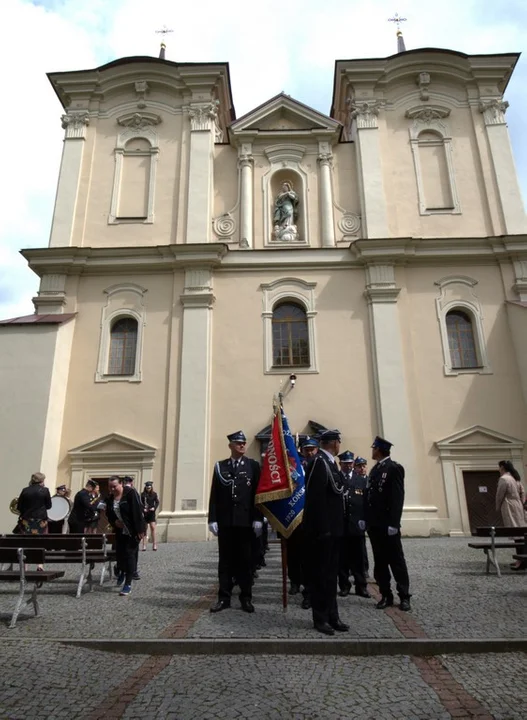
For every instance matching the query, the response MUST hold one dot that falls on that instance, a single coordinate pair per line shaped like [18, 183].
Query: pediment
[112, 443]
[284, 114]
[478, 436]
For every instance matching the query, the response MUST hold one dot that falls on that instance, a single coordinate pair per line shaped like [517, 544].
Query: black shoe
[136, 576]
[362, 592]
[294, 589]
[324, 628]
[247, 606]
[340, 626]
[385, 602]
[405, 605]
[220, 605]
[345, 592]
[306, 604]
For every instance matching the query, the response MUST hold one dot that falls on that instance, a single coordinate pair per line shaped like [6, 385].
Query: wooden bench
[22, 556]
[519, 539]
[86, 550]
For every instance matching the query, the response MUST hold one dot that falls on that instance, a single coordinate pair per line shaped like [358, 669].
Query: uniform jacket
[131, 512]
[385, 496]
[355, 497]
[83, 511]
[232, 493]
[150, 501]
[324, 504]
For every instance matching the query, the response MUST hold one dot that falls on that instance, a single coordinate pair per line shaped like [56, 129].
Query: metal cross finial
[164, 31]
[398, 20]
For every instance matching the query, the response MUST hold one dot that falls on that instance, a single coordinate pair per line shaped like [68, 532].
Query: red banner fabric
[275, 478]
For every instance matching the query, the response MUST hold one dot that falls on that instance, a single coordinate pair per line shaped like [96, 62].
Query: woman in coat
[509, 500]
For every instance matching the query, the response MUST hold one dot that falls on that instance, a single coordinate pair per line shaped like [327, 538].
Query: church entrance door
[480, 491]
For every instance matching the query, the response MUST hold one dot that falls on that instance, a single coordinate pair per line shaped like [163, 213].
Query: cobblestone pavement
[452, 598]
[61, 682]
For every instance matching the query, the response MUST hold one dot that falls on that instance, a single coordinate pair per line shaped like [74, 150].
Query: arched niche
[285, 168]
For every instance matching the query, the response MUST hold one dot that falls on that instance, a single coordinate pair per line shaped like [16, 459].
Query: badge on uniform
[248, 483]
[384, 476]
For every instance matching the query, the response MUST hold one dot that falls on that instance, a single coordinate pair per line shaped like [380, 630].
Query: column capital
[74, 123]
[493, 111]
[380, 285]
[365, 112]
[197, 291]
[325, 158]
[202, 115]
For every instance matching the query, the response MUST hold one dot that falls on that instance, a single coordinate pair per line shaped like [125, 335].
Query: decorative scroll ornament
[202, 115]
[366, 112]
[493, 111]
[349, 225]
[75, 123]
[427, 113]
[224, 226]
[138, 121]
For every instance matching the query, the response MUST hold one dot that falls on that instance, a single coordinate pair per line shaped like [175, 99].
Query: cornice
[217, 256]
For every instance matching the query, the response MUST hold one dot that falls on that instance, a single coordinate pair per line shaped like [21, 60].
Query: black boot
[384, 602]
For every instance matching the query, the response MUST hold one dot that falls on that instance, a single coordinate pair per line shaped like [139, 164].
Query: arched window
[461, 341]
[290, 336]
[123, 347]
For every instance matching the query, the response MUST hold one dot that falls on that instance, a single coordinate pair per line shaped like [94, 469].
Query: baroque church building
[370, 265]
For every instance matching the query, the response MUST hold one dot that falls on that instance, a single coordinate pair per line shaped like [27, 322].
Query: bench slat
[37, 575]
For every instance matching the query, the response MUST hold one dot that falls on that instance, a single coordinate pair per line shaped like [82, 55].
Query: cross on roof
[164, 31]
[398, 20]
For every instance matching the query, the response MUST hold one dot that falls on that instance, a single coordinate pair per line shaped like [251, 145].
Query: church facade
[369, 265]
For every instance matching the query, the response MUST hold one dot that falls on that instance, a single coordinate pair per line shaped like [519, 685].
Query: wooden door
[480, 492]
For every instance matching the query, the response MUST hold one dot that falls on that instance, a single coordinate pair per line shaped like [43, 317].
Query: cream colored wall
[345, 183]
[26, 366]
[401, 185]
[339, 395]
[225, 181]
[444, 405]
[136, 410]
[97, 178]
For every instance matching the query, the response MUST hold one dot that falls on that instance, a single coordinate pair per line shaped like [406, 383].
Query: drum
[60, 508]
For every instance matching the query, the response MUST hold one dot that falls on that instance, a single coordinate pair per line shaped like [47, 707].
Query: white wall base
[182, 527]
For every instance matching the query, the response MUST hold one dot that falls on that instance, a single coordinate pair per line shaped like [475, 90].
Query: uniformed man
[360, 468]
[351, 554]
[324, 526]
[232, 518]
[308, 450]
[384, 508]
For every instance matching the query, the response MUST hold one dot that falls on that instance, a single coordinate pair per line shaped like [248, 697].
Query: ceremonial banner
[281, 489]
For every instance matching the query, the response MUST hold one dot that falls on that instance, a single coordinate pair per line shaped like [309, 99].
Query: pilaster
[493, 111]
[373, 200]
[391, 395]
[51, 296]
[74, 124]
[200, 184]
[245, 163]
[188, 520]
[327, 225]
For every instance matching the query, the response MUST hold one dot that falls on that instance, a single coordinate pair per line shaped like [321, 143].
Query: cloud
[271, 46]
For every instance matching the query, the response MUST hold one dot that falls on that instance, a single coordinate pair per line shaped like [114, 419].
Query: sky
[271, 46]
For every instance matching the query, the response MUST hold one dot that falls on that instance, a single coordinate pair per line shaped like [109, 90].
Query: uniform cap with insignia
[382, 444]
[329, 435]
[346, 456]
[61, 487]
[360, 461]
[237, 437]
[149, 484]
[309, 442]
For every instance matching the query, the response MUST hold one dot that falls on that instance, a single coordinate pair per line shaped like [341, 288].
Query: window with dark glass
[461, 340]
[290, 336]
[123, 347]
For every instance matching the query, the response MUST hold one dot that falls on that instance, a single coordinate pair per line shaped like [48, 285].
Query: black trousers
[296, 557]
[126, 553]
[235, 546]
[388, 555]
[322, 579]
[352, 551]
[76, 526]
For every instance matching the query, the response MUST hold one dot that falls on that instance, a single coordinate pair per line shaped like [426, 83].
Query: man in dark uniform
[83, 511]
[384, 508]
[233, 519]
[360, 469]
[351, 552]
[324, 526]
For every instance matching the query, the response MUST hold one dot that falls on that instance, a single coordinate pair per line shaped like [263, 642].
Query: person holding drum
[150, 501]
[59, 511]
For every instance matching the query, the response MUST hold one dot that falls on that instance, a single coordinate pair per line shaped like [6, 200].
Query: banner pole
[283, 548]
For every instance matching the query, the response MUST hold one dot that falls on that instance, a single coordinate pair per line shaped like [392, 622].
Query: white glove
[392, 530]
[257, 527]
[213, 528]
[362, 525]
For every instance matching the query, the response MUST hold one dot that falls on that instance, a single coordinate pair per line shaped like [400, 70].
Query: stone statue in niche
[286, 213]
